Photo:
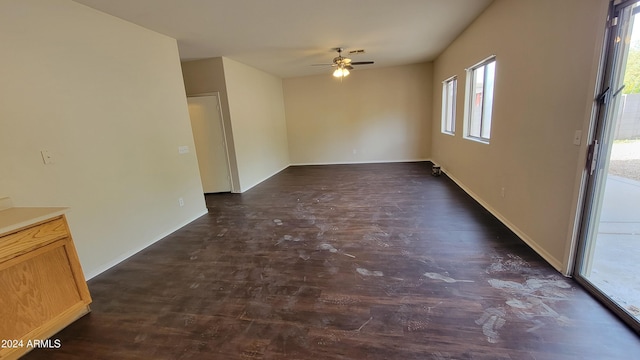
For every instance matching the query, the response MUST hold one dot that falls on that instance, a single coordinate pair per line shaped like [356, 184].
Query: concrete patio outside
[616, 260]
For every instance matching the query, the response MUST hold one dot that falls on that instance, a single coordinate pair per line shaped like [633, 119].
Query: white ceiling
[285, 37]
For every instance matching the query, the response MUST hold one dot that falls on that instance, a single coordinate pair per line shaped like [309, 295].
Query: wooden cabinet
[42, 286]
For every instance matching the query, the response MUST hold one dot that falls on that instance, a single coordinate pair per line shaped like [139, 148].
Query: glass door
[608, 261]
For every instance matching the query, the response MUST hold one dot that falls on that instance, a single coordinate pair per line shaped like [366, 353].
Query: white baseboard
[130, 253]
[360, 162]
[524, 237]
[261, 181]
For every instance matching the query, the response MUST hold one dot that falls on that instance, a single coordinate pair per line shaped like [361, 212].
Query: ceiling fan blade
[349, 67]
[362, 63]
[322, 64]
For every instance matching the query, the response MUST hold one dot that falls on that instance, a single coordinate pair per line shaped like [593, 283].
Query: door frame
[232, 175]
[592, 191]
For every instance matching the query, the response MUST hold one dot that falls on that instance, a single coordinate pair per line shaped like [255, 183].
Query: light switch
[47, 158]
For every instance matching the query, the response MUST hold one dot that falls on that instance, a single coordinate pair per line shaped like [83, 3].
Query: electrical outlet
[181, 201]
[502, 192]
[47, 158]
[183, 149]
[577, 137]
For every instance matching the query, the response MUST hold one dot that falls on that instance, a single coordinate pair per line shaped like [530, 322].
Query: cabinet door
[43, 287]
[37, 288]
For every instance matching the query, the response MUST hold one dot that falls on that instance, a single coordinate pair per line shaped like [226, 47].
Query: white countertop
[15, 218]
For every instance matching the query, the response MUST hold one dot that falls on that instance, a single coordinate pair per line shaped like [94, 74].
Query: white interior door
[211, 149]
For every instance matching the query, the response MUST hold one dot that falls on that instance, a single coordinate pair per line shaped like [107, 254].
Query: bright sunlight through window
[449, 89]
[479, 100]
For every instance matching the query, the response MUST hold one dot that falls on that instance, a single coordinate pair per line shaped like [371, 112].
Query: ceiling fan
[344, 64]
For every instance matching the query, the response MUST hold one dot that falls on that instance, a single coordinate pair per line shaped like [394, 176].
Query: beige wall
[207, 76]
[256, 110]
[106, 98]
[253, 111]
[375, 115]
[546, 53]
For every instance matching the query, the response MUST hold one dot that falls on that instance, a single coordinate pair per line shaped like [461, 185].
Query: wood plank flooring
[375, 261]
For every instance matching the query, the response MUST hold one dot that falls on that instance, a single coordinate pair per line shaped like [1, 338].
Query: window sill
[479, 140]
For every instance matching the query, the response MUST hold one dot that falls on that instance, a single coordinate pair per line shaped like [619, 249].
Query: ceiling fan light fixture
[340, 72]
[344, 64]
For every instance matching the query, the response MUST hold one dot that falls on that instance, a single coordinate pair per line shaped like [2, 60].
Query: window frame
[484, 128]
[448, 118]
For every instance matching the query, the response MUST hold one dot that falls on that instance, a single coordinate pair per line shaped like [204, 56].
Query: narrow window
[449, 87]
[479, 100]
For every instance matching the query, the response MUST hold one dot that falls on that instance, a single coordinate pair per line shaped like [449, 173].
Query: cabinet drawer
[25, 240]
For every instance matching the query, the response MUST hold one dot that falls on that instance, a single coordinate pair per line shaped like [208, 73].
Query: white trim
[224, 134]
[469, 92]
[450, 78]
[447, 104]
[467, 104]
[260, 181]
[477, 139]
[571, 253]
[360, 162]
[128, 254]
[557, 264]
[480, 63]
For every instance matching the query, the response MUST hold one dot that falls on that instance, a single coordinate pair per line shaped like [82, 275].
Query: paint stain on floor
[365, 272]
[436, 276]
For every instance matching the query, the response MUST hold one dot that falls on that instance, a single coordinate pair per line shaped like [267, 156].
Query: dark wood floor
[379, 261]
